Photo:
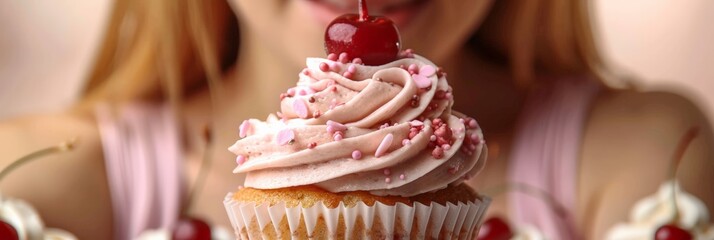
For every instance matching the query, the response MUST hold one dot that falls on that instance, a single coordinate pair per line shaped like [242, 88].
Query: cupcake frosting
[385, 129]
[652, 212]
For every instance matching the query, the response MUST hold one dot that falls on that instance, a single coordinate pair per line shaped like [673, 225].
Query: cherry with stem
[7, 231]
[671, 231]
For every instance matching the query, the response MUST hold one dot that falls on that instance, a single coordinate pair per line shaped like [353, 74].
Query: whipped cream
[385, 129]
[528, 232]
[27, 221]
[654, 211]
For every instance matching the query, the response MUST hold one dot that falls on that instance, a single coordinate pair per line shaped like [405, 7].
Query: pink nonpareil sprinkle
[446, 147]
[343, 58]
[406, 142]
[432, 138]
[285, 136]
[338, 136]
[332, 57]
[240, 159]
[402, 177]
[387, 172]
[384, 145]
[356, 155]
[351, 69]
[388, 180]
[347, 75]
[324, 67]
[244, 128]
[413, 69]
[357, 61]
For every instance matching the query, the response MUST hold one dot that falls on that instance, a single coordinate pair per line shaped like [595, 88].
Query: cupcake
[359, 152]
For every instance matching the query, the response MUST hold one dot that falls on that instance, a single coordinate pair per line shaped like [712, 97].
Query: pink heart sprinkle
[416, 123]
[384, 145]
[427, 70]
[421, 81]
[285, 136]
[300, 108]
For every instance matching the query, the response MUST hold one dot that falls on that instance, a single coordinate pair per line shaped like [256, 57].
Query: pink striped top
[144, 168]
[545, 154]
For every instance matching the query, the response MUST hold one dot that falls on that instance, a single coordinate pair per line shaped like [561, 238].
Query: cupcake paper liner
[379, 221]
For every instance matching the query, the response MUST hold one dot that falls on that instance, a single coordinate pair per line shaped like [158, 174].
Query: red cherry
[374, 39]
[495, 229]
[7, 231]
[672, 232]
[191, 229]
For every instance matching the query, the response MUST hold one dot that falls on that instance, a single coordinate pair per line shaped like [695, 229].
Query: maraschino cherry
[374, 39]
[189, 228]
[7, 231]
[494, 229]
[671, 231]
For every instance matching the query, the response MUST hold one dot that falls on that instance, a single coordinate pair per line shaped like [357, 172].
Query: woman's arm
[68, 189]
[629, 145]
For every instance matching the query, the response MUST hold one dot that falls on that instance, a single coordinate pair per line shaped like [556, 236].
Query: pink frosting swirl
[385, 129]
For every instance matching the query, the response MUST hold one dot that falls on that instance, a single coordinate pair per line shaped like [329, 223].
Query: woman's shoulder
[628, 147]
[76, 179]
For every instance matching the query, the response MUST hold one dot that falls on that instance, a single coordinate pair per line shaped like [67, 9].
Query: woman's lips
[401, 12]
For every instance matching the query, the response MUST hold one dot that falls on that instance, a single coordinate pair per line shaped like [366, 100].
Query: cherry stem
[684, 142]
[202, 171]
[363, 13]
[62, 147]
[529, 190]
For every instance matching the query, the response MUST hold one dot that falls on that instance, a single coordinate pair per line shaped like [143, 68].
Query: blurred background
[47, 47]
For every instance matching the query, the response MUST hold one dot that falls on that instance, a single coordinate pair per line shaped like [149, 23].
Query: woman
[522, 68]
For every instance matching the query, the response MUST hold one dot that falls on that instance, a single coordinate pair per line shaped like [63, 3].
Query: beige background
[46, 48]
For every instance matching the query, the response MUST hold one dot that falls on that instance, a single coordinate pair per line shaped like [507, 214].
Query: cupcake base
[312, 213]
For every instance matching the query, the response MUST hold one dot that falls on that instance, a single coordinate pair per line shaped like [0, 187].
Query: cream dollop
[528, 232]
[654, 211]
[385, 129]
[27, 221]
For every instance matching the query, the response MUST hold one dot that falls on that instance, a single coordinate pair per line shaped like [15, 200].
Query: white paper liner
[450, 221]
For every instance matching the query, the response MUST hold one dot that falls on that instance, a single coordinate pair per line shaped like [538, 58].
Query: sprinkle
[285, 136]
[240, 159]
[387, 172]
[324, 67]
[343, 57]
[347, 75]
[446, 147]
[357, 61]
[312, 145]
[305, 72]
[316, 114]
[337, 136]
[333, 126]
[384, 145]
[332, 57]
[356, 155]
[333, 66]
[388, 180]
[302, 92]
[421, 81]
[402, 177]
[413, 69]
[437, 153]
[243, 129]
[291, 92]
[474, 137]
[300, 108]
[473, 123]
[449, 95]
[416, 123]
[432, 138]
[351, 69]
[406, 142]
[427, 70]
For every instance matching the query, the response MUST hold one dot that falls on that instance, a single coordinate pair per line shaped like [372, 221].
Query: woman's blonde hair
[164, 49]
